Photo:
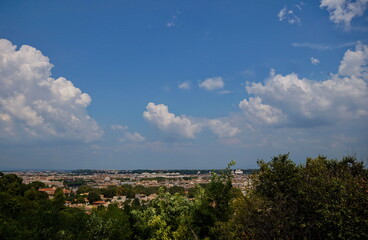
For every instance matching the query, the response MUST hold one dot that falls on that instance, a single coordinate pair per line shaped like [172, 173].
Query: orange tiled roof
[46, 189]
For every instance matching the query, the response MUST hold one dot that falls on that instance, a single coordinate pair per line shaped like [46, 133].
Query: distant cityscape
[144, 182]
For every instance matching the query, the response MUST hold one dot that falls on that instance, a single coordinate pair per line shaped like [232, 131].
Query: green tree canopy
[323, 199]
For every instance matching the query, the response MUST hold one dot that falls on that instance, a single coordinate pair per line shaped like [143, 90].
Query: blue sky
[181, 84]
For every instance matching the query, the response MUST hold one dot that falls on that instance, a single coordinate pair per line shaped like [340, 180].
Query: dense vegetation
[323, 199]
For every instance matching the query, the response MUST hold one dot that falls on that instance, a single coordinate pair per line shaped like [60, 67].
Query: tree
[36, 185]
[166, 217]
[323, 199]
[212, 202]
[73, 224]
[177, 189]
[126, 190]
[93, 197]
[33, 194]
[12, 184]
[109, 192]
[85, 189]
[108, 223]
[59, 198]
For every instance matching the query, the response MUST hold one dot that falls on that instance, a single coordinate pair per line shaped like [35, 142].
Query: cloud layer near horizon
[35, 106]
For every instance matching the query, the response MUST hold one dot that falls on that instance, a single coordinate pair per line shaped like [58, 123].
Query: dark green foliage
[36, 185]
[176, 189]
[109, 191]
[108, 223]
[213, 202]
[135, 203]
[33, 194]
[191, 192]
[323, 199]
[124, 179]
[12, 184]
[32, 215]
[93, 197]
[85, 189]
[139, 189]
[158, 179]
[59, 199]
[75, 183]
[126, 190]
[189, 178]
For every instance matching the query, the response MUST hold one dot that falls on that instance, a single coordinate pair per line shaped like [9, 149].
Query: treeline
[322, 199]
[130, 191]
[76, 182]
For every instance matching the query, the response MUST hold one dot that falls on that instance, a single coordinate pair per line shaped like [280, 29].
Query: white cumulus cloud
[343, 11]
[222, 128]
[256, 110]
[211, 84]
[33, 105]
[301, 102]
[355, 63]
[184, 126]
[160, 117]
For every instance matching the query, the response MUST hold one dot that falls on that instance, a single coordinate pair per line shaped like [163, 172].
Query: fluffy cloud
[286, 102]
[256, 111]
[127, 136]
[211, 84]
[314, 60]
[343, 11]
[33, 105]
[355, 63]
[222, 128]
[186, 127]
[160, 116]
[300, 102]
[184, 85]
